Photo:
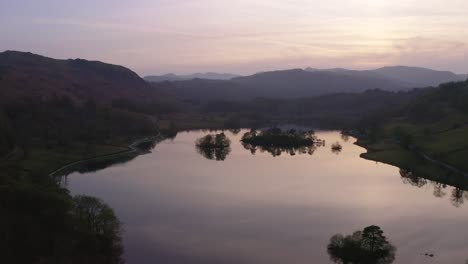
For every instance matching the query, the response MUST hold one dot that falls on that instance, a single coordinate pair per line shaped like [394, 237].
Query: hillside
[56, 111]
[434, 124]
[26, 74]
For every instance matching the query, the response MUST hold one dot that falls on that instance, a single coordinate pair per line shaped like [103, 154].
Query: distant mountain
[207, 76]
[280, 84]
[463, 76]
[27, 74]
[299, 83]
[409, 76]
[418, 76]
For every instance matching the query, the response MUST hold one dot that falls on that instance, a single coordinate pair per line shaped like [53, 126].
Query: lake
[177, 206]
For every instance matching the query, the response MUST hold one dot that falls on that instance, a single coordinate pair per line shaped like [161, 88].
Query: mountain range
[410, 76]
[27, 74]
[174, 77]
[309, 82]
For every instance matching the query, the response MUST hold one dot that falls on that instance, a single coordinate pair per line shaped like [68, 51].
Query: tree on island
[368, 246]
[214, 147]
[277, 138]
[214, 141]
[276, 141]
[336, 148]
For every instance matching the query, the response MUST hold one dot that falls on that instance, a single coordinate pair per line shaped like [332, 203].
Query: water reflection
[106, 161]
[344, 137]
[271, 210]
[458, 195]
[214, 147]
[277, 151]
[235, 131]
[218, 154]
[100, 164]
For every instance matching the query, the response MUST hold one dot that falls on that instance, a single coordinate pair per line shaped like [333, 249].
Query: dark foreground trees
[368, 246]
[42, 223]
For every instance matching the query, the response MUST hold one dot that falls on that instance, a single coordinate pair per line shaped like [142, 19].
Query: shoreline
[414, 162]
[131, 149]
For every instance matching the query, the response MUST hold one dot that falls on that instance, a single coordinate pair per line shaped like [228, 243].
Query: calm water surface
[179, 207]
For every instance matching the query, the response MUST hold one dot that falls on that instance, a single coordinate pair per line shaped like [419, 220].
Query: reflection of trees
[214, 153]
[235, 131]
[368, 246]
[439, 190]
[409, 177]
[457, 196]
[277, 151]
[344, 137]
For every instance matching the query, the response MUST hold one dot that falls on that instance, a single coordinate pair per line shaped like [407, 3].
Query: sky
[241, 36]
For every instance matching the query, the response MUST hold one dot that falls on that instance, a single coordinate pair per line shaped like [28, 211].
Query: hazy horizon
[242, 37]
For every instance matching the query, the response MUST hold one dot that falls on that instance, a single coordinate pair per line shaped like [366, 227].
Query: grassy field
[445, 141]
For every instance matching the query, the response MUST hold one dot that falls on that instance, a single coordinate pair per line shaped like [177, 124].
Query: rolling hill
[27, 74]
[53, 111]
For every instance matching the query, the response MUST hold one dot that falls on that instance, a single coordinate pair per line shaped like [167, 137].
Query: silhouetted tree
[368, 246]
[101, 228]
[214, 147]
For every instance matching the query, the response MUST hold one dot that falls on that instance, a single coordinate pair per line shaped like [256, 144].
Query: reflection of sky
[178, 207]
[241, 36]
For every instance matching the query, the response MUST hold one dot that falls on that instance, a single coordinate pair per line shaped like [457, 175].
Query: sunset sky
[242, 36]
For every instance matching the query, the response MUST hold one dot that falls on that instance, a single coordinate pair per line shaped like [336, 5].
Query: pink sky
[242, 36]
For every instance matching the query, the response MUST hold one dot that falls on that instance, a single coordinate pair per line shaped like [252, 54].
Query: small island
[336, 148]
[214, 141]
[214, 147]
[277, 138]
[276, 141]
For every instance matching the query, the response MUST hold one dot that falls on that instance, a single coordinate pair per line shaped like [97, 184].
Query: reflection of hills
[104, 162]
[442, 185]
[100, 164]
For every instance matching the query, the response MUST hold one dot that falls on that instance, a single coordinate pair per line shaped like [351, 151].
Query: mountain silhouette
[174, 77]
